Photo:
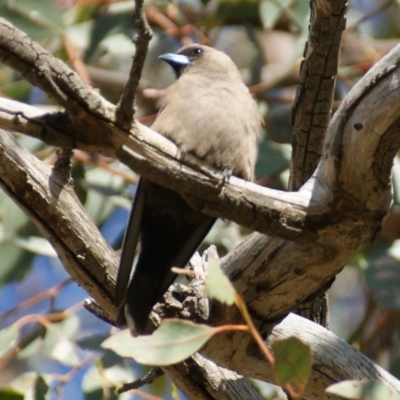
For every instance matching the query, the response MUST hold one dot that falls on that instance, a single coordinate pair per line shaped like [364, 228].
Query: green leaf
[58, 343]
[10, 394]
[97, 202]
[105, 25]
[94, 378]
[37, 245]
[30, 143]
[300, 13]
[92, 342]
[41, 388]
[172, 342]
[293, 363]
[383, 279]
[273, 157]
[12, 217]
[218, 285]
[25, 383]
[237, 11]
[32, 348]
[15, 262]
[9, 340]
[271, 10]
[39, 19]
[363, 390]
[67, 352]
[14, 88]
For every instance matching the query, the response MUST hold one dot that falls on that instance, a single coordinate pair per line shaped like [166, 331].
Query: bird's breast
[217, 121]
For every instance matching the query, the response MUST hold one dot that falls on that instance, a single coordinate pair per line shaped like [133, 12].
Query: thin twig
[149, 378]
[47, 294]
[126, 106]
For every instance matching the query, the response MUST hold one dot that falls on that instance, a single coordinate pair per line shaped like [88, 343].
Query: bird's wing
[185, 253]
[153, 274]
[129, 245]
[193, 242]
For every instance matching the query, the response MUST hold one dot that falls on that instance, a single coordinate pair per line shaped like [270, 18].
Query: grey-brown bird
[207, 112]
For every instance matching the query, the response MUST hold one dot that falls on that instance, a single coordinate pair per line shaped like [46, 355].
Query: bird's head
[197, 57]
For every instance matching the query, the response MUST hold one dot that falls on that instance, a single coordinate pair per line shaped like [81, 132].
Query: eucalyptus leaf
[37, 245]
[172, 342]
[271, 10]
[9, 340]
[41, 388]
[383, 279]
[363, 390]
[10, 394]
[293, 362]
[67, 352]
[218, 285]
[39, 19]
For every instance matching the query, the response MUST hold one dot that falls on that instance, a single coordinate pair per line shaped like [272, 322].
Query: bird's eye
[197, 51]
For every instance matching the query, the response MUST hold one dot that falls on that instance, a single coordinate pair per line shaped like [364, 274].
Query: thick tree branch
[312, 107]
[150, 154]
[334, 359]
[208, 381]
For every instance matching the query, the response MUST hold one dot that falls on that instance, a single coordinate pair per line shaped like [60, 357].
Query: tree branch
[334, 359]
[126, 106]
[150, 154]
[311, 111]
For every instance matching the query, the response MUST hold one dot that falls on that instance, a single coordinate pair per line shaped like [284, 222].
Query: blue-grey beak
[174, 59]
[177, 61]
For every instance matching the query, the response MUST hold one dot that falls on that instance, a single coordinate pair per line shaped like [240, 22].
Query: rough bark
[311, 111]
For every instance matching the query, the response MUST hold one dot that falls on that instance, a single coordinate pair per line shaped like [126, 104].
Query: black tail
[167, 241]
